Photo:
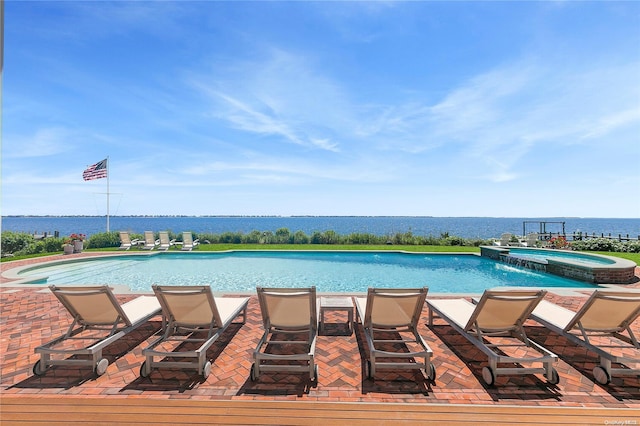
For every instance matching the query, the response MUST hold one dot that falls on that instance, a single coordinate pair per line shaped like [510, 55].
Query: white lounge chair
[291, 312]
[605, 313]
[126, 242]
[188, 243]
[94, 310]
[149, 241]
[387, 313]
[165, 242]
[504, 240]
[187, 311]
[531, 240]
[497, 313]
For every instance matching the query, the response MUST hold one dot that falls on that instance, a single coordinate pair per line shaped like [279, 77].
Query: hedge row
[18, 243]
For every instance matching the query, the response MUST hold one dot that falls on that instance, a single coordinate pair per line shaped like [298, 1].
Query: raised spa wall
[621, 272]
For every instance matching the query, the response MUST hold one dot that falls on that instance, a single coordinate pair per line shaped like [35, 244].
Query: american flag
[96, 171]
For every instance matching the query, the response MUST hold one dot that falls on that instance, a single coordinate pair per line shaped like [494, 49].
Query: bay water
[465, 227]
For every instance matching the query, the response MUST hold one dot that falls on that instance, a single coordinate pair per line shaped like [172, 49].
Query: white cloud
[44, 142]
[280, 96]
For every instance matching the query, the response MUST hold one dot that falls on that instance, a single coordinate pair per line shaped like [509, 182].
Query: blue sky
[514, 109]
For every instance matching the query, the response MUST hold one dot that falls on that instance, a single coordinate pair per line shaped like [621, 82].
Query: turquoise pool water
[328, 271]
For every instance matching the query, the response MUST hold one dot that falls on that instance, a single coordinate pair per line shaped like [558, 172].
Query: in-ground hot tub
[589, 267]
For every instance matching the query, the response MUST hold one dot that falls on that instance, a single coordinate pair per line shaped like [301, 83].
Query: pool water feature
[329, 271]
[592, 268]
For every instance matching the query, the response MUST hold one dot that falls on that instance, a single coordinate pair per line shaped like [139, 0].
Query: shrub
[103, 240]
[633, 247]
[330, 237]
[253, 237]
[230, 238]
[51, 245]
[454, 241]
[13, 242]
[606, 244]
[300, 238]
[283, 236]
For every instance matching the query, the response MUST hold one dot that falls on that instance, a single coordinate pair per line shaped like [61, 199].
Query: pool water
[342, 272]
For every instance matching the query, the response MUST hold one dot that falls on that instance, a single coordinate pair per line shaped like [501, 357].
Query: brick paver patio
[32, 316]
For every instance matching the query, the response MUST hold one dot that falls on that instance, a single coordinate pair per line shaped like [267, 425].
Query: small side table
[336, 303]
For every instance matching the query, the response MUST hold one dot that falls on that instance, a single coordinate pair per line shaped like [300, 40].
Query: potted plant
[77, 240]
[67, 247]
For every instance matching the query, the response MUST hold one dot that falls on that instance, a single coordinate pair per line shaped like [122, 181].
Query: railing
[44, 235]
[578, 236]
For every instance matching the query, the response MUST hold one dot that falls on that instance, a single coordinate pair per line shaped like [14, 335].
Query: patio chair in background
[392, 315]
[497, 313]
[605, 313]
[188, 243]
[98, 321]
[290, 320]
[125, 241]
[505, 239]
[188, 312]
[149, 241]
[165, 242]
[531, 240]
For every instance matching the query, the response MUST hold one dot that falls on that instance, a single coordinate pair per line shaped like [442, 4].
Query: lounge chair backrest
[394, 307]
[189, 306]
[187, 238]
[288, 308]
[149, 238]
[164, 238]
[91, 305]
[607, 311]
[500, 310]
[125, 239]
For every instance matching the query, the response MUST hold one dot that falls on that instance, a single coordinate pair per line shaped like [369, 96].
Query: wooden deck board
[141, 411]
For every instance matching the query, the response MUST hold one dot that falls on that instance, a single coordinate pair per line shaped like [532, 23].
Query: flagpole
[108, 194]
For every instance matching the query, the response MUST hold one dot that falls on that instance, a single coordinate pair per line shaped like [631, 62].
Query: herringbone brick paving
[30, 317]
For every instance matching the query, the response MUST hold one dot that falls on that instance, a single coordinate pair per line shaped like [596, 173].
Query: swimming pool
[329, 271]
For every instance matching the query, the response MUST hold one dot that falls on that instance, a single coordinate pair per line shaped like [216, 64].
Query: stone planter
[78, 246]
[67, 249]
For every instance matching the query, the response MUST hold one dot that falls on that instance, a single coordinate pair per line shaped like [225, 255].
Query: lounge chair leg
[552, 375]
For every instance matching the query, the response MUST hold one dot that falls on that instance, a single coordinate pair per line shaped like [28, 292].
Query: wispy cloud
[279, 95]
[44, 142]
[506, 114]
